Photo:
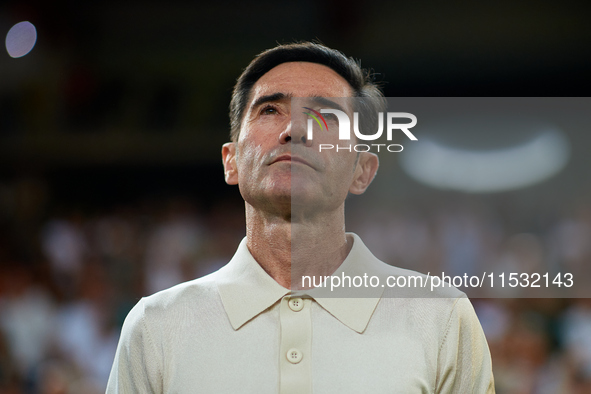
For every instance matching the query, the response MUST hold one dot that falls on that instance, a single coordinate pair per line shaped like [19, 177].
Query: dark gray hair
[361, 80]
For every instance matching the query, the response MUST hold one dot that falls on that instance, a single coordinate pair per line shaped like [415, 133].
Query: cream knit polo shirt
[239, 331]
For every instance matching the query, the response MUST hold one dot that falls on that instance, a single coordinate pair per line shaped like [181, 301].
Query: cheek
[249, 158]
[343, 165]
[251, 149]
[341, 160]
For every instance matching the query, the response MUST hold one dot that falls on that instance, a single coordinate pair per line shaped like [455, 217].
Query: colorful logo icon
[316, 117]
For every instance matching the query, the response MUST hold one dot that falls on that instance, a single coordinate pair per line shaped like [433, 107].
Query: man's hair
[360, 80]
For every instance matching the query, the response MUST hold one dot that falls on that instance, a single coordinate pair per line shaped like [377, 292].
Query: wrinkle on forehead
[303, 79]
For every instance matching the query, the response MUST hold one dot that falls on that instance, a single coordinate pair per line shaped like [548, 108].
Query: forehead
[302, 79]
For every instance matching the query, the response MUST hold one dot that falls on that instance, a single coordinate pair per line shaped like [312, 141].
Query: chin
[302, 192]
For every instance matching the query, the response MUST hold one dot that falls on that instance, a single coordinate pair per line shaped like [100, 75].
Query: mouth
[291, 159]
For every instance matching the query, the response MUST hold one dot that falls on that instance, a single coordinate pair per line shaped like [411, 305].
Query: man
[254, 326]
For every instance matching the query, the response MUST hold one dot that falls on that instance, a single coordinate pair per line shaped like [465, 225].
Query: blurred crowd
[66, 288]
[61, 312]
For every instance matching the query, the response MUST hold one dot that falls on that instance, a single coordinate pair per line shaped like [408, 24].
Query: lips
[291, 158]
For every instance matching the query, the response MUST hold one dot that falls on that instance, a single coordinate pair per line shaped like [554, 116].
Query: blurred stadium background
[111, 185]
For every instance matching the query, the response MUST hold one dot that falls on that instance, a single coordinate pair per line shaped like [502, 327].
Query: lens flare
[21, 38]
[477, 171]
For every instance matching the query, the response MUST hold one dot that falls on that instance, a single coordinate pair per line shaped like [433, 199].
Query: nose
[295, 132]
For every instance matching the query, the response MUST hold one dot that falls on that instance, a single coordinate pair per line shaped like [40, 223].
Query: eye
[330, 117]
[269, 110]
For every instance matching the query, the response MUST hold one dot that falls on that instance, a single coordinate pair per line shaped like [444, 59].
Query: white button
[296, 304]
[294, 356]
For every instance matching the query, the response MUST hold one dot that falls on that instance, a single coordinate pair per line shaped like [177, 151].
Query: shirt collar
[247, 290]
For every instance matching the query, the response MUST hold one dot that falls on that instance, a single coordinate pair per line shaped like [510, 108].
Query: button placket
[296, 346]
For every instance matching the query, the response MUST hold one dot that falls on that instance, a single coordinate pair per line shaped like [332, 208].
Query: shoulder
[175, 304]
[397, 282]
[406, 283]
[193, 294]
[424, 298]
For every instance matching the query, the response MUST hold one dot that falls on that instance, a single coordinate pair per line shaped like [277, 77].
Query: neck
[288, 248]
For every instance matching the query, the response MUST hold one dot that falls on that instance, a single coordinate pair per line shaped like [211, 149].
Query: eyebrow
[323, 101]
[268, 98]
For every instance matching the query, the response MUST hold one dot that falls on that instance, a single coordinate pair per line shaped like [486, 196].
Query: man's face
[273, 163]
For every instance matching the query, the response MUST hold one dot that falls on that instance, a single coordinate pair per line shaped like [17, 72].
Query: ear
[366, 169]
[229, 160]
